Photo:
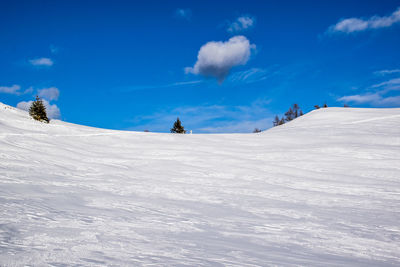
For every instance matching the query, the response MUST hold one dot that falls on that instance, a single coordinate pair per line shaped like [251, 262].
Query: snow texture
[322, 190]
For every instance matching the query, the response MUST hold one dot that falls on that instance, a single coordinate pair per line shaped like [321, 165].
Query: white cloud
[184, 13]
[359, 24]
[241, 23]
[216, 59]
[389, 83]
[53, 112]
[350, 25]
[44, 61]
[378, 98]
[51, 93]
[375, 99]
[386, 72]
[10, 89]
[15, 89]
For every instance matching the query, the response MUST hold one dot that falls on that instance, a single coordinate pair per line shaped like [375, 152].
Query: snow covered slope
[323, 190]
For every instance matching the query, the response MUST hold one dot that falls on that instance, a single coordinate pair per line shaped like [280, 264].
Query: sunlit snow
[322, 190]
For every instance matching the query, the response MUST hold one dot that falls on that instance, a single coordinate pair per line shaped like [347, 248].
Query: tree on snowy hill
[38, 110]
[276, 121]
[293, 113]
[178, 128]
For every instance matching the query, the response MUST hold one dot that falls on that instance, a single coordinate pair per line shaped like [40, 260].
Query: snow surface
[323, 190]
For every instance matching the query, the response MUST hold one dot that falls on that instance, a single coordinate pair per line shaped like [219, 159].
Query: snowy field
[323, 190]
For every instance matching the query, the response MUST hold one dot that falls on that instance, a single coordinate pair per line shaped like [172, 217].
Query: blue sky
[220, 66]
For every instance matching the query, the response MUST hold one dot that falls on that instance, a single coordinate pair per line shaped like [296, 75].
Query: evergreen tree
[178, 128]
[282, 121]
[289, 115]
[325, 105]
[276, 121]
[296, 109]
[38, 110]
[256, 130]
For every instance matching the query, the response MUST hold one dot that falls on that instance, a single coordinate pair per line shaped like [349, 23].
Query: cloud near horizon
[385, 96]
[216, 59]
[241, 24]
[53, 112]
[44, 61]
[351, 25]
[210, 118]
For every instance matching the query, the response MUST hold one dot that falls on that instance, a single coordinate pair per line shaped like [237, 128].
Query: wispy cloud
[249, 76]
[216, 59]
[386, 72]
[161, 86]
[351, 25]
[375, 99]
[183, 13]
[385, 94]
[210, 118]
[44, 61]
[387, 86]
[241, 24]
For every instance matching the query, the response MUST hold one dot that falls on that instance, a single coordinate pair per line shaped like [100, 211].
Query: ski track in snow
[323, 190]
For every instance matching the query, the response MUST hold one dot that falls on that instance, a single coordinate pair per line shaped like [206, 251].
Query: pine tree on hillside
[296, 109]
[38, 110]
[276, 121]
[289, 115]
[178, 128]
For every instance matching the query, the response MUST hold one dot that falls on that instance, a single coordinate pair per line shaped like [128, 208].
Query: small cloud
[44, 61]
[351, 25]
[386, 72]
[54, 49]
[14, 89]
[241, 24]
[51, 93]
[183, 13]
[53, 112]
[216, 59]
